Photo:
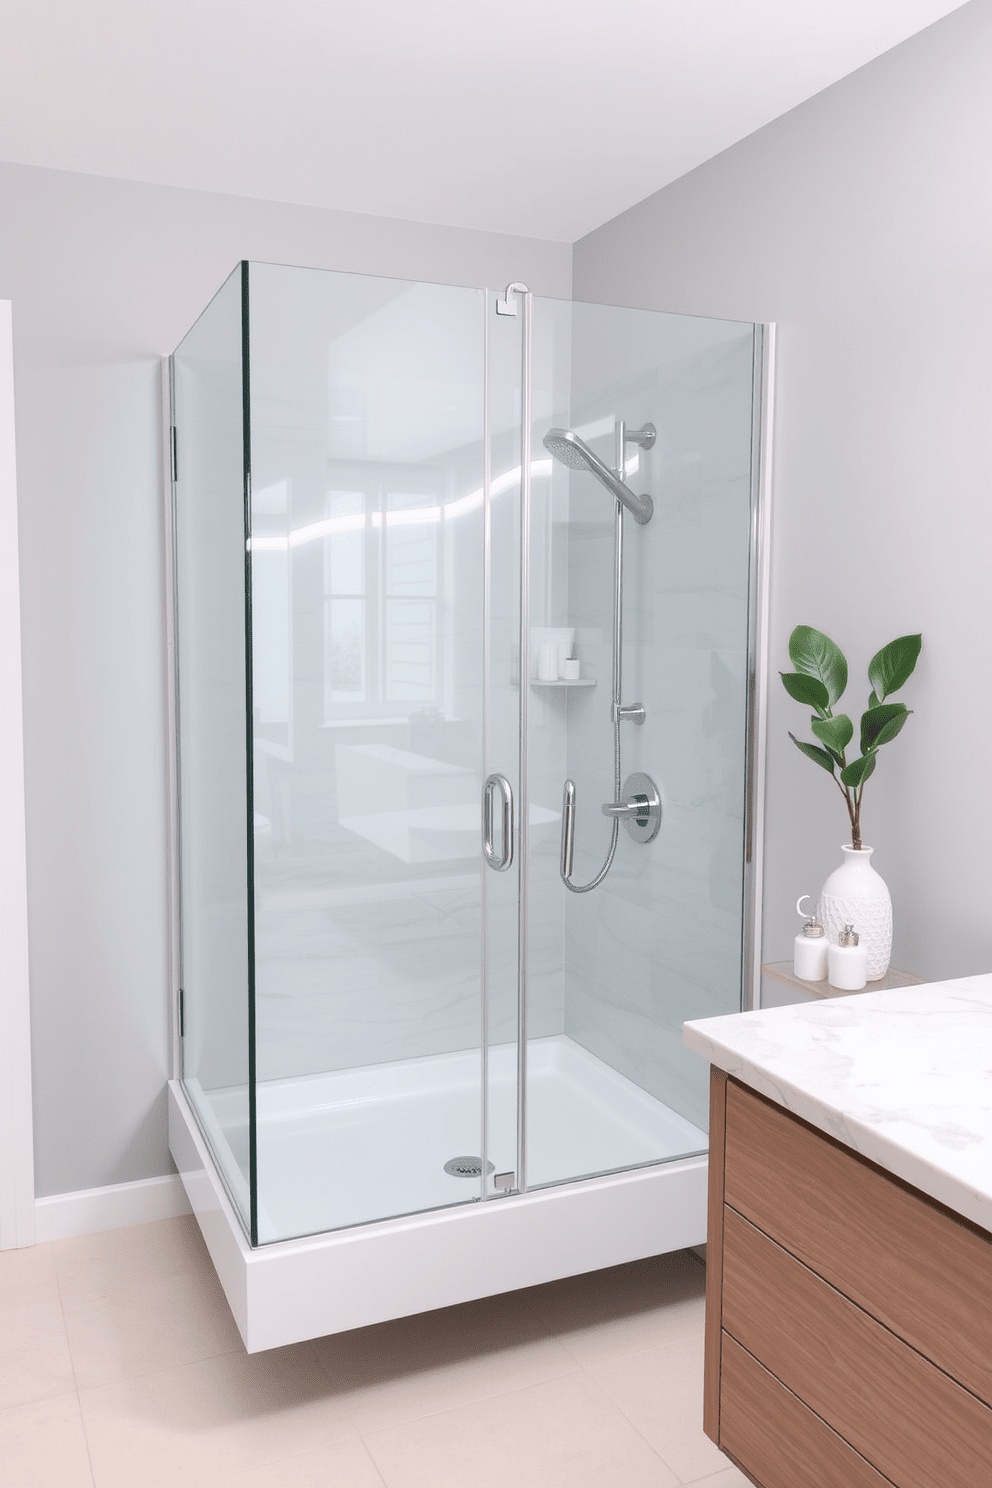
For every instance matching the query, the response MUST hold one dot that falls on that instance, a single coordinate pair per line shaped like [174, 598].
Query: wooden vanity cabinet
[848, 1315]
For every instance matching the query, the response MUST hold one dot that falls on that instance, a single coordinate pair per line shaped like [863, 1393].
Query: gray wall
[862, 223]
[105, 277]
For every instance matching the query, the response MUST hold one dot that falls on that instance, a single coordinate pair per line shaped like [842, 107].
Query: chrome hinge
[504, 1183]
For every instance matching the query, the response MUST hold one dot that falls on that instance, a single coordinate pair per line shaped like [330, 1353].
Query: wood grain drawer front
[799, 1448]
[922, 1273]
[907, 1418]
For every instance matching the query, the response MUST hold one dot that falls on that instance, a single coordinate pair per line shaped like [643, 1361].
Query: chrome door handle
[502, 860]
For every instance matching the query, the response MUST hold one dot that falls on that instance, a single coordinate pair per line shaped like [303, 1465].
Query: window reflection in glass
[344, 599]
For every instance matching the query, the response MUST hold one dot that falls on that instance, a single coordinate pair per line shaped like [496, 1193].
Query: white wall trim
[113, 1208]
[17, 1218]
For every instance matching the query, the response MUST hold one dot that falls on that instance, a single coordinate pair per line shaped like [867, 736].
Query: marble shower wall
[660, 940]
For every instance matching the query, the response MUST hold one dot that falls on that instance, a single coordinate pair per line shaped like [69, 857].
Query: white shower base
[354, 1162]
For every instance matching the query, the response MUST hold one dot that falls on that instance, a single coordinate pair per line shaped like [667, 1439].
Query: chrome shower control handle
[623, 809]
[500, 861]
[639, 807]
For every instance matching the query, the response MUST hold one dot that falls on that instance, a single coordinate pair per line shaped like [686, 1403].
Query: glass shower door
[367, 559]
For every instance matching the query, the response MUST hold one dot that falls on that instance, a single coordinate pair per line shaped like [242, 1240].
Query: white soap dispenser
[847, 962]
[809, 957]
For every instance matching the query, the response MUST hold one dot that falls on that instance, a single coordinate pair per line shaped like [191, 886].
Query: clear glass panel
[210, 635]
[367, 603]
[609, 1083]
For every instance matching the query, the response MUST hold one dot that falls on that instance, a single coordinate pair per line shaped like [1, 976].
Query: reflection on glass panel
[410, 650]
[367, 401]
[345, 547]
[346, 636]
[345, 654]
[413, 536]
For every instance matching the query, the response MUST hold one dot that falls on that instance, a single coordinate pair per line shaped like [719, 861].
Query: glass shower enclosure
[409, 606]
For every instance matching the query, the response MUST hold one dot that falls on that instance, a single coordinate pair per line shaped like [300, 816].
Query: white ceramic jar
[809, 955]
[846, 962]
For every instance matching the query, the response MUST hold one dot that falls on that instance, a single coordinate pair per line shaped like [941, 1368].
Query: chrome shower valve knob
[639, 807]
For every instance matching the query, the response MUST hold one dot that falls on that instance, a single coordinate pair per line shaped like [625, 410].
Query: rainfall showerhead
[572, 451]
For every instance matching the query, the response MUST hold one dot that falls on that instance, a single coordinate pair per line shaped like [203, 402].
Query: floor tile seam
[375, 1466]
[260, 1460]
[355, 1414]
[614, 1357]
[462, 1405]
[674, 1339]
[632, 1424]
[136, 1289]
[352, 1436]
[18, 1405]
[711, 1477]
[86, 1440]
[68, 1341]
[127, 1379]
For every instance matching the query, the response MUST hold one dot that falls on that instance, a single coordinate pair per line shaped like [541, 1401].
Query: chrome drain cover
[467, 1167]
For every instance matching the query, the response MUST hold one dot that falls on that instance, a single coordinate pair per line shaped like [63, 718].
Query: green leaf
[859, 770]
[836, 733]
[820, 755]
[881, 724]
[806, 690]
[816, 655]
[873, 699]
[890, 668]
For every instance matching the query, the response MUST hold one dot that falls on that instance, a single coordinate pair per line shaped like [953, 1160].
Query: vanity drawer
[923, 1273]
[801, 1449]
[905, 1416]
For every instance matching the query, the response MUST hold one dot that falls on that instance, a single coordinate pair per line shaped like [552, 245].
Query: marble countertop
[904, 1077]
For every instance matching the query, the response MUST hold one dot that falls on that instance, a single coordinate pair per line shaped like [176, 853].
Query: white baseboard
[113, 1208]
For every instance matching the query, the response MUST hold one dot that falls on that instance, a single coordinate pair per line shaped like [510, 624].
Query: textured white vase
[855, 894]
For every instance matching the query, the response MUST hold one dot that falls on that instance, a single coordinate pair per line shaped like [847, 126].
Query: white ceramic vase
[855, 894]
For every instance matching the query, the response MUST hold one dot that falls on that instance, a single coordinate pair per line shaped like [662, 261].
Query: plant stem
[856, 818]
[853, 803]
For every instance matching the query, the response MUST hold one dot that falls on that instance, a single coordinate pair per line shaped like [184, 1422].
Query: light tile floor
[120, 1367]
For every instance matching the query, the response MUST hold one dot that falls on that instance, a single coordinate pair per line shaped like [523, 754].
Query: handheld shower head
[572, 451]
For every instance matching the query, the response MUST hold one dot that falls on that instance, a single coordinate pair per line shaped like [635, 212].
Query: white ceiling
[539, 117]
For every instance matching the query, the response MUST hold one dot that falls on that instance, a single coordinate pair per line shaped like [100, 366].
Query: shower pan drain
[467, 1167]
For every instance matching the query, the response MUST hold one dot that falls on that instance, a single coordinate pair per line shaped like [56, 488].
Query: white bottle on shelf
[847, 962]
[809, 956]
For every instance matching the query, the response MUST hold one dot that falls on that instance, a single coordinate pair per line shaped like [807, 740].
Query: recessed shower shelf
[562, 682]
